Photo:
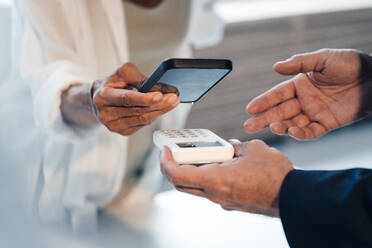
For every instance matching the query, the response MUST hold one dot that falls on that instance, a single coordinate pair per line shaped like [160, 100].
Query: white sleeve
[81, 171]
[50, 63]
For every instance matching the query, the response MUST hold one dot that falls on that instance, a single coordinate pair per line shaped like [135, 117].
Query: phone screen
[193, 83]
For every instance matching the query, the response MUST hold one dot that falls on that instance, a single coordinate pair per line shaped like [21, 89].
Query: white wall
[5, 31]
[243, 11]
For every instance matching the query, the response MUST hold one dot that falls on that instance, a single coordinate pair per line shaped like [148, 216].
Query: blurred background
[262, 32]
[259, 33]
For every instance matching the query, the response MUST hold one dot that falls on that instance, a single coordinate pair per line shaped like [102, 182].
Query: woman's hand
[329, 91]
[124, 110]
[115, 102]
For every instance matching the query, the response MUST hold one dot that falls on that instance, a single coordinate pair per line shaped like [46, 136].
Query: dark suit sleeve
[327, 208]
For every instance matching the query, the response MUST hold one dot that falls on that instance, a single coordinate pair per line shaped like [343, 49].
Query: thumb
[130, 74]
[303, 63]
[239, 147]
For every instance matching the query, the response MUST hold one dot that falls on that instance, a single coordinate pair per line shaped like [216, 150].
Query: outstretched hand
[325, 94]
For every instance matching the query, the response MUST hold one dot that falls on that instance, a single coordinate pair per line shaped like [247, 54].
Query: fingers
[300, 127]
[281, 127]
[109, 114]
[242, 149]
[126, 98]
[146, 119]
[164, 88]
[168, 165]
[239, 147]
[116, 113]
[183, 175]
[131, 75]
[312, 131]
[283, 111]
[302, 63]
[126, 111]
[280, 93]
[255, 145]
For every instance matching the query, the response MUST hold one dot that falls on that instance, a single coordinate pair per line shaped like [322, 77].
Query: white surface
[177, 220]
[243, 11]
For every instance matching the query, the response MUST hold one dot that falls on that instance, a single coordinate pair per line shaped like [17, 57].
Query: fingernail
[157, 97]
[173, 100]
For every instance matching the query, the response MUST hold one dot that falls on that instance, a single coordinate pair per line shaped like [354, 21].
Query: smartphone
[192, 77]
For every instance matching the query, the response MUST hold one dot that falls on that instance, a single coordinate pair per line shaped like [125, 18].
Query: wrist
[76, 106]
[275, 203]
[92, 90]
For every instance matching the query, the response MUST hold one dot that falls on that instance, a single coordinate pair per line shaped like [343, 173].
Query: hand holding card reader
[194, 146]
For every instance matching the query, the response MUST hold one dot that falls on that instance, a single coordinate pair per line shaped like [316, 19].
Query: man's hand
[125, 111]
[251, 182]
[327, 93]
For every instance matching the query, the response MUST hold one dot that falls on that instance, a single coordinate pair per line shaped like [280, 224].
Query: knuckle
[121, 72]
[280, 111]
[256, 142]
[103, 92]
[110, 127]
[125, 101]
[301, 121]
[281, 94]
[127, 65]
[143, 119]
